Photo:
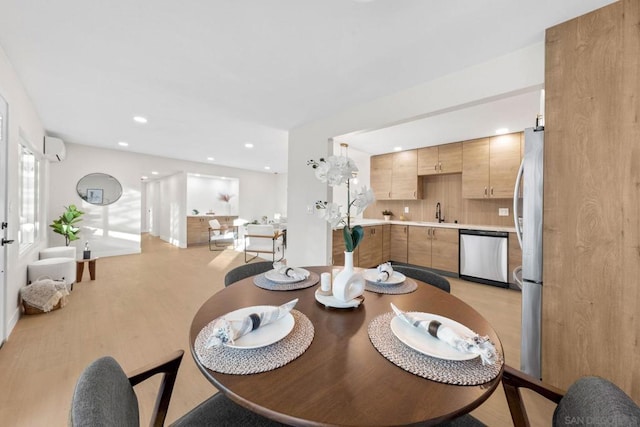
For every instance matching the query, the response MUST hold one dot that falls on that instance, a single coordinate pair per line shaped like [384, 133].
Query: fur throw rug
[44, 294]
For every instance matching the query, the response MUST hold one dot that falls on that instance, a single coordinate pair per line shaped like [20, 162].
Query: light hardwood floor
[141, 306]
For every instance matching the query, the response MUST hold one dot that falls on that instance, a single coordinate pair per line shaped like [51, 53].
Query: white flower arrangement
[335, 171]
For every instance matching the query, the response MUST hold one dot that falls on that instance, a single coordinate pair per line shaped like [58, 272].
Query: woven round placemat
[458, 372]
[406, 287]
[237, 361]
[262, 282]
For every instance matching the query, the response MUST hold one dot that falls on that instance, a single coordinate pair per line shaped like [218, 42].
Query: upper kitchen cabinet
[394, 176]
[445, 158]
[381, 172]
[490, 166]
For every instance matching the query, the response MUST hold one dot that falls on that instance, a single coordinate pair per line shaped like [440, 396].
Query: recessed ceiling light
[123, 144]
[267, 167]
[196, 174]
[154, 173]
[211, 159]
[144, 177]
[248, 145]
[140, 119]
[502, 131]
[397, 148]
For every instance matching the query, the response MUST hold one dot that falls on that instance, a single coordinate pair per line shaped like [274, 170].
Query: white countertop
[365, 222]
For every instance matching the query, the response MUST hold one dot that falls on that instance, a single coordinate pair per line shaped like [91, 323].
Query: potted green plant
[65, 225]
[387, 214]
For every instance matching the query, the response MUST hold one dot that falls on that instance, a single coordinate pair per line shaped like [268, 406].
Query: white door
[3, 218]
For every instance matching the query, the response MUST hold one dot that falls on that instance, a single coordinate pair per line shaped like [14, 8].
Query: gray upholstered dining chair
[104, 396]
[246, 270]
[424, 275]
[590, 400]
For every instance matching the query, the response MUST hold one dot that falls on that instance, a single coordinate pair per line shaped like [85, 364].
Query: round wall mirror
[99, 189]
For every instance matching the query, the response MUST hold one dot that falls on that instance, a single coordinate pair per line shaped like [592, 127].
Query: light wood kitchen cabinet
[445, 158]
[386, 242]
[198, 227]
[444, 249]
[394, 176]
[405, 184]
[434, 247]
[398, 243]
[381, 173]
[490, 166]
[370, 249]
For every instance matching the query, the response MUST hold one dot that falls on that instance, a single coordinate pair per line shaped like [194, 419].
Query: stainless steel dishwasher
[484, 256]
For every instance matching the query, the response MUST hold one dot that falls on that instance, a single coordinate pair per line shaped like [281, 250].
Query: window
[28, 197]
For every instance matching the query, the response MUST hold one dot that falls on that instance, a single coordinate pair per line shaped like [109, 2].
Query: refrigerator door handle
[516, 213]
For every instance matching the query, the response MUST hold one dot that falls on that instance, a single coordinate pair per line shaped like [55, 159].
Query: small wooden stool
[80, 268]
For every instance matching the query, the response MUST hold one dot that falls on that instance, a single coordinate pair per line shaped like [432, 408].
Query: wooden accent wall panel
[591, 292]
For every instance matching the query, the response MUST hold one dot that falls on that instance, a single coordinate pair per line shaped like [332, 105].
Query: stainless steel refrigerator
[528, 222]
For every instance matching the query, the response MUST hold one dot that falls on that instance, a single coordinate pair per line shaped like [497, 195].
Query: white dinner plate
[331, 301]
[264, 335]
[420, 340]
[276, 277]
[371, 275]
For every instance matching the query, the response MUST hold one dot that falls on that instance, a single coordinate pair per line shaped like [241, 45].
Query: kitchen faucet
[439, 216]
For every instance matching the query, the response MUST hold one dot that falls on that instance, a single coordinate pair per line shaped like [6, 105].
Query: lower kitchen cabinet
[433, 247]
[370, 249]
[398, 243]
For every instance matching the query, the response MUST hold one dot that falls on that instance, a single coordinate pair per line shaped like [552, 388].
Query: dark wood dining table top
[341, 379]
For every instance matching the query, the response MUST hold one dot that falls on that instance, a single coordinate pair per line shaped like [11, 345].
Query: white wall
[110, 230]
[173, 209]
[203, 194]
[22, 119]
[307, 237]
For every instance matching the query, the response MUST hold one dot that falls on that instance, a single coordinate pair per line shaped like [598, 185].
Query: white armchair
[263, 239]
[217, 234]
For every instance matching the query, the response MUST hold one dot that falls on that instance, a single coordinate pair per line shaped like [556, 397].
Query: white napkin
[294, 273]
[474, 344]
[385, 271]
[225, 330]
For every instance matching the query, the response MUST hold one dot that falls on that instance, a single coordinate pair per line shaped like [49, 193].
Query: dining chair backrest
[424, 275]
[105, 382]
[244, 271]
[215, 226]
[104, 396]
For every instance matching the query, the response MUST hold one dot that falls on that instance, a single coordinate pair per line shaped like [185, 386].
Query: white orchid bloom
[336, 170]
[362, 198]
[331, 213]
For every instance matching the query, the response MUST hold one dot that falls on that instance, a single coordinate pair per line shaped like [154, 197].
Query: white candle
[325, 282]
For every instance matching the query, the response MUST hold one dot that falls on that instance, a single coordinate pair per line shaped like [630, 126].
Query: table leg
[92, 269]
[79, 271]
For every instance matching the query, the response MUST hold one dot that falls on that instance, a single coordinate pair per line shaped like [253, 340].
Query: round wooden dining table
[341, 379]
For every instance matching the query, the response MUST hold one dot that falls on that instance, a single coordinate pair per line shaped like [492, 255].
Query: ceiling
[212, 75]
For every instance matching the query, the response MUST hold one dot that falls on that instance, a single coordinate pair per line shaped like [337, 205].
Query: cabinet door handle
[492, 191]
[429, 232]
[485, 191]
[435, 167]
[389, 194]
[414, 194]
[434, 233]
[440, 164]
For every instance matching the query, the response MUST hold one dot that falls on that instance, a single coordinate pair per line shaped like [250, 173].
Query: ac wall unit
[54, 149]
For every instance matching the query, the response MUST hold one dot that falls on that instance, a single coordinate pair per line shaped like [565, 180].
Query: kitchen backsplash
[446, 189]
